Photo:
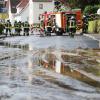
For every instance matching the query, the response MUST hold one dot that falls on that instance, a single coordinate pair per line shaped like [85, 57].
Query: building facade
[3, 10]
[38, 7]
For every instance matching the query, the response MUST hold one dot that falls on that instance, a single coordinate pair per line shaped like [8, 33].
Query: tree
[79, 3]
[91, 9]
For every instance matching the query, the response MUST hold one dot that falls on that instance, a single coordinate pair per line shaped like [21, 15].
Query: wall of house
[24, 16]
[47, 6]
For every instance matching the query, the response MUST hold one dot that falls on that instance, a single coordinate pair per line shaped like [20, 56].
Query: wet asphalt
[23, 78]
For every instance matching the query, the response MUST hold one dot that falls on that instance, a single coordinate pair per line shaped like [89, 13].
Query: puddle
[20, 71]
[23, 47]
[9, 45]
[78, 75]
[79, 66]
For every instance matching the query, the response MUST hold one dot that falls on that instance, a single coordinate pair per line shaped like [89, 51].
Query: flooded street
[23, 77]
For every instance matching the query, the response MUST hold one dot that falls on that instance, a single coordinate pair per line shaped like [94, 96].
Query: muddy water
[22, 78]
[63, 69]
[66, 70]
[77, 66]
[78, 75]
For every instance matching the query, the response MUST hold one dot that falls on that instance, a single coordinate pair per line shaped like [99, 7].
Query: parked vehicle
[58, 22]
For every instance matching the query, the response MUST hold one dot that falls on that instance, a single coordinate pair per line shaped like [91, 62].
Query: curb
[2, 36]
[92, 37]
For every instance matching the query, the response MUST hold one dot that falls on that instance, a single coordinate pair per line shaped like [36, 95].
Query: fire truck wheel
[24, 34]
[81, 33]
[27, 34]
[59, 33]
[48, 34]
[71, 34]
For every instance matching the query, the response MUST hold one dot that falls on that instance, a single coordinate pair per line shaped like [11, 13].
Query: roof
[23, 3]
[42, 0]
[14, 3]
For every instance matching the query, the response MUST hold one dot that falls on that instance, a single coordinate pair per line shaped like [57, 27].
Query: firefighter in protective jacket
[16, 27]
[26, 28]
[85, 25]
[8, 27]
[19, 27]
[1, 28]
[72, 26]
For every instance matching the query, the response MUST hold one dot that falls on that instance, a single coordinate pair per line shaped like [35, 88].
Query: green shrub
[91, 9]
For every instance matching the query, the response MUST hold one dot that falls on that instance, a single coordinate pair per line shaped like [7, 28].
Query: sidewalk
[93, 36]
[2, 36]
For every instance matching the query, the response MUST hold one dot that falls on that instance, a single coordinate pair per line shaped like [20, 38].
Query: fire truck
[52, 22]
[57, 22]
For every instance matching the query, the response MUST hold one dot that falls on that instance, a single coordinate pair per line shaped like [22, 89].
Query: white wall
[47, 6]
[24, 16]
[18, 9]
[17, 18]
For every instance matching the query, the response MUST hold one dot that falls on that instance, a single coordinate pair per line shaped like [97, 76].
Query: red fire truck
[57, 22]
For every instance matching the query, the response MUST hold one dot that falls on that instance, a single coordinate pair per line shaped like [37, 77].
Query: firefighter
[16, 27]
[8, 27]
[32, 28]
[26, 28]
[48, 28]
[85, 25]
[72, 26]
[19, 24]
[1, 28]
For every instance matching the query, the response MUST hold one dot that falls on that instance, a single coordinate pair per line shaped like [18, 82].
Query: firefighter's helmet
[26, 21]
[15, 21]
[72, 17]
[8, 20]
[19, 22]
[84, 16]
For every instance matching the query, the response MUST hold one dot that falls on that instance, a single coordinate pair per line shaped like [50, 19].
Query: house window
[40, 6]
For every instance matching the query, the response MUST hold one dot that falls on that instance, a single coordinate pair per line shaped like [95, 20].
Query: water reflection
[9, 71]
[30, 47]
[10, 45]
[58, 66]
[66, 68]
[30, 67]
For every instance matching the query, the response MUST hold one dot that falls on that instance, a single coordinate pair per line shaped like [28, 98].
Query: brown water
[79, 62]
